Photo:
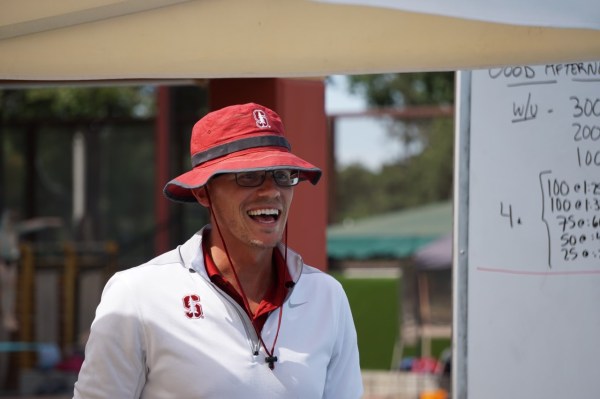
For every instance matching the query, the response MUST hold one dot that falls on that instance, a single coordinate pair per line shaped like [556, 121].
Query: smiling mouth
[266, 215]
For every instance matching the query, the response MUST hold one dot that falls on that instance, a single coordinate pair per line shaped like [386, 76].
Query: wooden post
[69, 295]
[26, 304]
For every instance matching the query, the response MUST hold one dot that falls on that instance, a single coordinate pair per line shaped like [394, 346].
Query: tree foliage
[405, 89]
[424, 173]
[76, 102]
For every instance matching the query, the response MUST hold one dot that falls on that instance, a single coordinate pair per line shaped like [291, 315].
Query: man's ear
[201, 196]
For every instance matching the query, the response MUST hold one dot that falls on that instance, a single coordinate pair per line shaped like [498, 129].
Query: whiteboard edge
[460, 236]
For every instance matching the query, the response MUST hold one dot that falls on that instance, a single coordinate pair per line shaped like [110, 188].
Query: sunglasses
[282, 177]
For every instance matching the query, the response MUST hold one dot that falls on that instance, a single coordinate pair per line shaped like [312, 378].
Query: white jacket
[163, 330]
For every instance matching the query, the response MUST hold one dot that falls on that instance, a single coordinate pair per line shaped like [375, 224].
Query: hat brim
[179, 189]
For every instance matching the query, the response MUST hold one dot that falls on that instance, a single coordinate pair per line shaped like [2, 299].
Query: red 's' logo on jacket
[192, 306]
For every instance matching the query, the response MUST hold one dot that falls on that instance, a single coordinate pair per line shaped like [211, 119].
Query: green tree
[423, 172]
[76, 102]
[405, 89]
[358, 193]
[427, 176]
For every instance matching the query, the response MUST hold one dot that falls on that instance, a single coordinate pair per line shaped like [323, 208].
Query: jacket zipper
[246, 322]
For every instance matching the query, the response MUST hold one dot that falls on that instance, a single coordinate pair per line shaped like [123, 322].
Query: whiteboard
[527, 287]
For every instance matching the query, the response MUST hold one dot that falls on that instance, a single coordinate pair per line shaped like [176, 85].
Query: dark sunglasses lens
[286, 178]
[250, 179]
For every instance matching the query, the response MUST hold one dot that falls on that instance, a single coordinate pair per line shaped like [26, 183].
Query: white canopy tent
[183, 39]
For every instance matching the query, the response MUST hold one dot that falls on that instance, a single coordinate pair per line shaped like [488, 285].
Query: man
[233, 312]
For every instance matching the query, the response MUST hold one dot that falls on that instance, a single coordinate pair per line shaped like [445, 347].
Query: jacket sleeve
[344, 379]
[114, 365]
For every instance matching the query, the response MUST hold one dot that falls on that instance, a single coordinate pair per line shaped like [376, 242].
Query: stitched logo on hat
[261, 118]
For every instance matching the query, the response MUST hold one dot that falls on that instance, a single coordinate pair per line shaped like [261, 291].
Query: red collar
[274, 297]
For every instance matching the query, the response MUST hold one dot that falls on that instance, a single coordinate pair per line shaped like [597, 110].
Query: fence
[58, 289]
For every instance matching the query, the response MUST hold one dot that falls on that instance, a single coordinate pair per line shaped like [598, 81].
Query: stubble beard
[261, 244]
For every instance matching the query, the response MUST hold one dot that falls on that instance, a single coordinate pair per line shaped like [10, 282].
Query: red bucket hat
[238, 138]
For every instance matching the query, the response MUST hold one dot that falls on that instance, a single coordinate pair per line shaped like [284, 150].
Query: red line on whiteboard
[530, 273]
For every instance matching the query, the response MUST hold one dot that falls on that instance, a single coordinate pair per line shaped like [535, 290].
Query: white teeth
[267, 212]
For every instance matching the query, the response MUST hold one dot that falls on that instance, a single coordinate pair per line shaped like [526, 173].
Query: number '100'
[557, 204]
[556, 187]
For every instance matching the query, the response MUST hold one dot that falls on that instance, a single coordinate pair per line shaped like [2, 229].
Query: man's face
[251, 216]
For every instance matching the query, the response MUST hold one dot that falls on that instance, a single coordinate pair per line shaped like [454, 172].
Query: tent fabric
[65, 40]
[391, 235]
[557, 13]
[436, 255]
[374, 247]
